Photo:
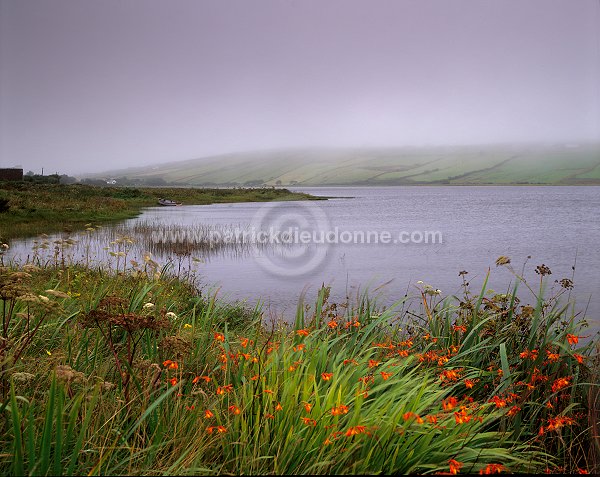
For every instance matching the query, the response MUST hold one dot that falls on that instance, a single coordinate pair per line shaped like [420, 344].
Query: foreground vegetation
[28, 208]
[136, 372]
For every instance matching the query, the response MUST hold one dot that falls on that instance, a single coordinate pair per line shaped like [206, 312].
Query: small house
[11, 174]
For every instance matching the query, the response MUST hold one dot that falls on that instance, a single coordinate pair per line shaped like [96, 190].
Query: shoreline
[34, 209]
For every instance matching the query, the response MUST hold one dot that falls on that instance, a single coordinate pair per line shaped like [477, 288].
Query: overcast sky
[95, 85]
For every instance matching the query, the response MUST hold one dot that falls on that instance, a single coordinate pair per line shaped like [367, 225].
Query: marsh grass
[117, 369]
[30, 209]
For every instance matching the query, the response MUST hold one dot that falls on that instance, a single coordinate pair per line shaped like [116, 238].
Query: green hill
[556, 164]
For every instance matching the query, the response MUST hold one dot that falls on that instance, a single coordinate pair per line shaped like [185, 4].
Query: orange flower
[409, 415]
[327, 441]
[529, 354]
[555, 423]
[309, 422]
[373, 363]
[385, 375]
[303, 332]
[268, 391]
[573, 339]
[170, 364]
[461, 328]
[578, 357]
[469, 383]
[254, 378]
[225, 389]
[244, 342]
[552, 357]
[454, 466]
[384, 345]
[353, 431]
[269, 416]
[326, 376]
[332, 324]
[196, 379]
[173, 381]
[219, 429]
[341, 409]
[307, 407]
[299, 347]
[208, 414]
[461, 417]
[432, 419]
[449, 403]
[279, 407]
[498, 401]
[219, 337]
[450, 375]
[350, 361]
[235, 410]
[403, 353]
[492, 469]
[513, 411]
[560, 383]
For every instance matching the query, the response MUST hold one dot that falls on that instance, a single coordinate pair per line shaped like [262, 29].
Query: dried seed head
[176, 345]
[502, 260]
[543, 270]
[22, 377]
[565, 283]
[56, 293]
[67, 374]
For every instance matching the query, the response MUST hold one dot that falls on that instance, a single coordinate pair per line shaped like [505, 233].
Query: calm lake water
[555, 226]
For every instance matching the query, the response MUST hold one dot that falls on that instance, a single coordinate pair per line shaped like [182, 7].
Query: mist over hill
[454, 165]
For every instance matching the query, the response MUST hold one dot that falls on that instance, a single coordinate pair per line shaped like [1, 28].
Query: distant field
[557, 164]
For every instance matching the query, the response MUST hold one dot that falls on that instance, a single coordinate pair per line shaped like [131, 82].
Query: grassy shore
[46, 208]
[136, 372]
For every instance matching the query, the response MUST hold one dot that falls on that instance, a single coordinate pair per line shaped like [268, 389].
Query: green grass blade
[18, 464]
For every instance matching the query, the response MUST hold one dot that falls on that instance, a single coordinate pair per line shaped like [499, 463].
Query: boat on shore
[168, 202]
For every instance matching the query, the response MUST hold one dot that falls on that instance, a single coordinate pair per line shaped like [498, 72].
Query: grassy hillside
[557, 164]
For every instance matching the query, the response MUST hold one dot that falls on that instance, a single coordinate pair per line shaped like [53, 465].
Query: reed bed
[124, 246]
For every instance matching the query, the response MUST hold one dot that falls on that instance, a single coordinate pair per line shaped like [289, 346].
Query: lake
[469, 227]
